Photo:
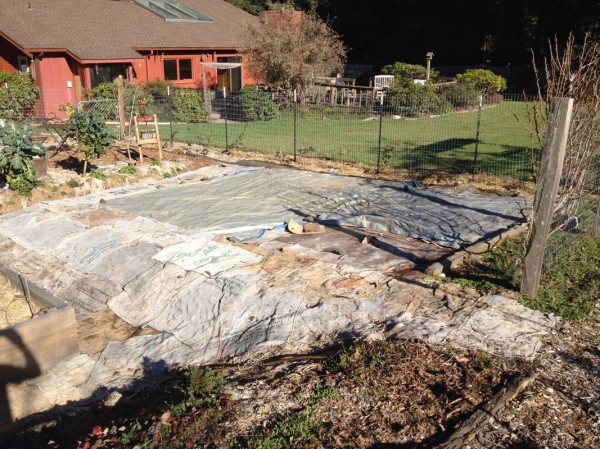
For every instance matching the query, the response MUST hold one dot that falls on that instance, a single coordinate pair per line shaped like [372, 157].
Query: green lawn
[445, 142]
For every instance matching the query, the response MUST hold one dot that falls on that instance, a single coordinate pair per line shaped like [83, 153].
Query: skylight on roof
[173, 11]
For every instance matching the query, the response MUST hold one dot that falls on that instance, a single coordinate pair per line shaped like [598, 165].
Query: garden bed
[40, 331]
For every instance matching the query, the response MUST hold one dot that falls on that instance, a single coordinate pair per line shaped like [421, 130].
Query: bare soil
[385, 394]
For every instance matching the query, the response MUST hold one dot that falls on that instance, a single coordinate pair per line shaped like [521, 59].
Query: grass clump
[569, 287]
[128, 170]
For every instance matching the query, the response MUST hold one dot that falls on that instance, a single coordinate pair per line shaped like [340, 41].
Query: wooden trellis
[147, 135]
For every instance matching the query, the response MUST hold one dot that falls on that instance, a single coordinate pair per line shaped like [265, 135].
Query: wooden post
[121, 105]
[157, 138]
[596, 231]
[555, 142]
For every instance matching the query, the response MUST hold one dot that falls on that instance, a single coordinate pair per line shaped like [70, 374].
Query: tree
[289, 49]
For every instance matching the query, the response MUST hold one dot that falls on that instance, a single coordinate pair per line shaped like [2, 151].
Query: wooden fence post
[121, 106]
[555, 142]
[596, 231]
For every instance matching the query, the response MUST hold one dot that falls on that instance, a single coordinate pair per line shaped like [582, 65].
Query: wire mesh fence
[579, 220]
[481, 137]
[419, 133]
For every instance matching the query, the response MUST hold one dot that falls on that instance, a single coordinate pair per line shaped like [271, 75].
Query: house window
[23, 64]
[107, 73]
[178, 69]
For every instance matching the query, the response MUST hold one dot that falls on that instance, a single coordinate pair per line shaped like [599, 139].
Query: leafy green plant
[298, 429]
[73, 183]
[257, 105]
[412, 100]
[134, 97]
[496, 269]
[17, 151]
[128, 170]
[157, 87]
[98, 175]
[485, 81]
[460, 96]
[409, 71]
[322, 392]
[568, 288]
[188, 105]
[89, 129]
[18, 99]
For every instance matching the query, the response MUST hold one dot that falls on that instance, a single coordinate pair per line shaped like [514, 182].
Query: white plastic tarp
[265, 197]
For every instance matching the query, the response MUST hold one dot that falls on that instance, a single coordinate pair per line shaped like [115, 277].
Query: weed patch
[570, 286]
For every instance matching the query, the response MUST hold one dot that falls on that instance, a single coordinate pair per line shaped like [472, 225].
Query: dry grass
[14, 308]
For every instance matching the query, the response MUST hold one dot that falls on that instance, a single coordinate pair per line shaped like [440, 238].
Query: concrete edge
[457, 259]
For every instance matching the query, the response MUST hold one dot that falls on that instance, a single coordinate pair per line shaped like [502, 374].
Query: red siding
[153, 68]
[57, 77]
[8, 56]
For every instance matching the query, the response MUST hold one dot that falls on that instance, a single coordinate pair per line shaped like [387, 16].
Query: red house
[71, 45]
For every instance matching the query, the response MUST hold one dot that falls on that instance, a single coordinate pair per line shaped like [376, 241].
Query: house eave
[16, 45]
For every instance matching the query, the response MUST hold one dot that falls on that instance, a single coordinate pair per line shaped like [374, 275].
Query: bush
[412, 100]
[188, 105]
[157, 87]
[89, 129]
[460, 96]
[257, 105]
[485, 81]
[17, 150]
[17, 102]
[409, 71]
[144, 102]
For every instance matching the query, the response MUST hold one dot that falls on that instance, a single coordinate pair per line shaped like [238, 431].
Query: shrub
[412, 100]
[257, 105]
[485, 81]
[461, 96]
[16, 102]
[89, 129]
[17, 150]
[157, 87]
[188, 105]
[133, 97]
[409, 71]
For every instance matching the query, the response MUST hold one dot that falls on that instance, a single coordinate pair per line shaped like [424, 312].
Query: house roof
[114, 29]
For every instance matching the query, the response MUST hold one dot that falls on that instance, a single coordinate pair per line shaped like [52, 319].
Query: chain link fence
[107, 109]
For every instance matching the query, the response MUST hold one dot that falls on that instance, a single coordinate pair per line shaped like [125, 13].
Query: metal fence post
[555, 142]
[380, 126]
[225, 107]
[477, 135]
[295, 122]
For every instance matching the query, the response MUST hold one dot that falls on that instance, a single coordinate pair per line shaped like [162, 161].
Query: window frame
[178, 68]
[23, 61]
